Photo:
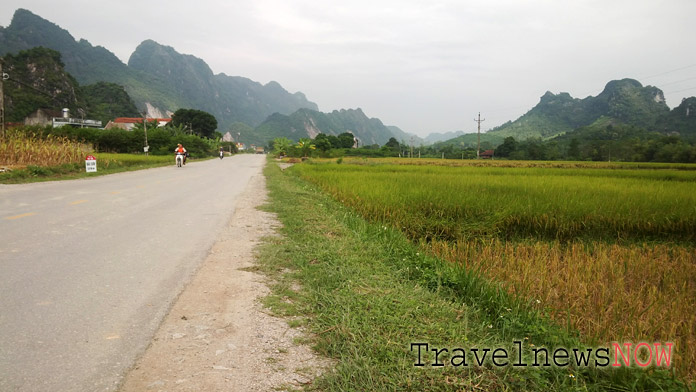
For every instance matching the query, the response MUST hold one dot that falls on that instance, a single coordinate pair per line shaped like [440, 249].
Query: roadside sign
[91, 163]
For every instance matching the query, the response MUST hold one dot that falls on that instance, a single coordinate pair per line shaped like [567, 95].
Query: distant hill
[626, 122]
[38, 80]
[470, 140]
[624, 100]
[309, 123]
[681, 120]
[404, 137]
[156, 77]
[441, 137]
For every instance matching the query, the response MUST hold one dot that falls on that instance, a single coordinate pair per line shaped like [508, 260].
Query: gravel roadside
[217, 336]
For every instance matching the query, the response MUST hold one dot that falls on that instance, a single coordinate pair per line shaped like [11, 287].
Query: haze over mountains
[161, 80]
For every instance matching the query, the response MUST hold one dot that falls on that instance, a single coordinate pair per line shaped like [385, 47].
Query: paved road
[88, 268]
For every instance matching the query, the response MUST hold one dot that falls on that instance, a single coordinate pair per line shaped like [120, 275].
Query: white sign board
[91, 164]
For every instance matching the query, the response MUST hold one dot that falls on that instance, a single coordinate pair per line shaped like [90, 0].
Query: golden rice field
[609, 248]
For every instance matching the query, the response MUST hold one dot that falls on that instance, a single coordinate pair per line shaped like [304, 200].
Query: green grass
[367, 293]
[106, 164]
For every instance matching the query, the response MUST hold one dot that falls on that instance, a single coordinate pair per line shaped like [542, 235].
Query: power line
[678, 91]
[34, 88]
[668, 72]
[677, 81]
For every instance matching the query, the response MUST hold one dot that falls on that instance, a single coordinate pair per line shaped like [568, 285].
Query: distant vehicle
[259, 150]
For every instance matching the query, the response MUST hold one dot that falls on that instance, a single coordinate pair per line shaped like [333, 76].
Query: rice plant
[607, 249]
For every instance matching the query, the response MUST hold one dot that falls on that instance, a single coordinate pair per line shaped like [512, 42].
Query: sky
[424, 66]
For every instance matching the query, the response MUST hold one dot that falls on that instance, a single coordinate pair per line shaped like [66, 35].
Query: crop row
[609, 251]
[448, 203]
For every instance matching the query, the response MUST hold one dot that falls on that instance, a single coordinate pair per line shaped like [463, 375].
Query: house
[488, 154]
[42, 117]
[128, 123]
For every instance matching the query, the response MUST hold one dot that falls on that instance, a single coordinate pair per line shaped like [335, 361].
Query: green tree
[346, 140]
[508, 147]
[305, 146]
[335, 143]
[281, 146]
[202, 123]
[393, 144]
[322, 142]
[574, 149]
[106, 101]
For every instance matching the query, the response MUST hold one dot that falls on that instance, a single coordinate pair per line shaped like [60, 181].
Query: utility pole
[147, 147]
[478, 137]
[2, 100]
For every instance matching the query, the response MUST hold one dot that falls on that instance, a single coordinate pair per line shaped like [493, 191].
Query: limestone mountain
[624, 100]
[38, 80]
[681, 120]
[88, 64]
[309, 123]
[157, 77]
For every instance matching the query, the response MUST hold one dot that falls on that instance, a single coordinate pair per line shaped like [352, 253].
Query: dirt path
[217, 337]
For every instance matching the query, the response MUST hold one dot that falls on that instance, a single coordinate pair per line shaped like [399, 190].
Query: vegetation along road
[91, 267]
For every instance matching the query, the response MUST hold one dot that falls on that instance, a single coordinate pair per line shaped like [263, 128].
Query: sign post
[91, 164]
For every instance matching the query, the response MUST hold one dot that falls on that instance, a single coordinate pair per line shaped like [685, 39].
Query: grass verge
[367, 295]
[106, 164]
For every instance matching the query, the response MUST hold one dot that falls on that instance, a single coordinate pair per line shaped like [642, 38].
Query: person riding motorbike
[180, 150]
[222, 152]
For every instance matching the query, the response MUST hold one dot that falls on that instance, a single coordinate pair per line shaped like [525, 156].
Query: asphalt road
[89, 268]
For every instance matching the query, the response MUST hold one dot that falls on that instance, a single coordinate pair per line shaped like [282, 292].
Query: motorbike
[179, 159]
[222, 153]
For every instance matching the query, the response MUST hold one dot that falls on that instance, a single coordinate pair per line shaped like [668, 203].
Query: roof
[138, 120]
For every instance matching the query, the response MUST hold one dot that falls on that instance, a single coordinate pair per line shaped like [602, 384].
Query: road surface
[89, 268]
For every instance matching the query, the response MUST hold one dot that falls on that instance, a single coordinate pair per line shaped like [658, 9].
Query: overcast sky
[424, 66]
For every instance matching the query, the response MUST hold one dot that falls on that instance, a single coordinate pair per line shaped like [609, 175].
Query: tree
[346, 140]
[393, 144]
[322, 142]
[305, 146]
[335, 143]
[202, 123]
[508, 147]
[281, 146]
[574, 149]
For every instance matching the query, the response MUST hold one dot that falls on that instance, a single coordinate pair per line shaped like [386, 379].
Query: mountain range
[161, 80]
[622, 102]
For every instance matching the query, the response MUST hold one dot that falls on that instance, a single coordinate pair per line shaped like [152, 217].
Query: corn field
[22, 149]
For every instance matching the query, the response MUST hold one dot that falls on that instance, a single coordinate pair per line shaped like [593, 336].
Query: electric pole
[2, 101]
[147, 146]
[478, 136]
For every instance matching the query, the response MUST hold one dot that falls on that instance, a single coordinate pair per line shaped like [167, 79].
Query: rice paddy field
[607, 248]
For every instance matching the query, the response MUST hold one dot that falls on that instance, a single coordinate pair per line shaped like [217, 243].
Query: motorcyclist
[181, 150]
[222, 152]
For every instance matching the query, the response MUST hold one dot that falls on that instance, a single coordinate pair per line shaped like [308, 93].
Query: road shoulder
[217, 335]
